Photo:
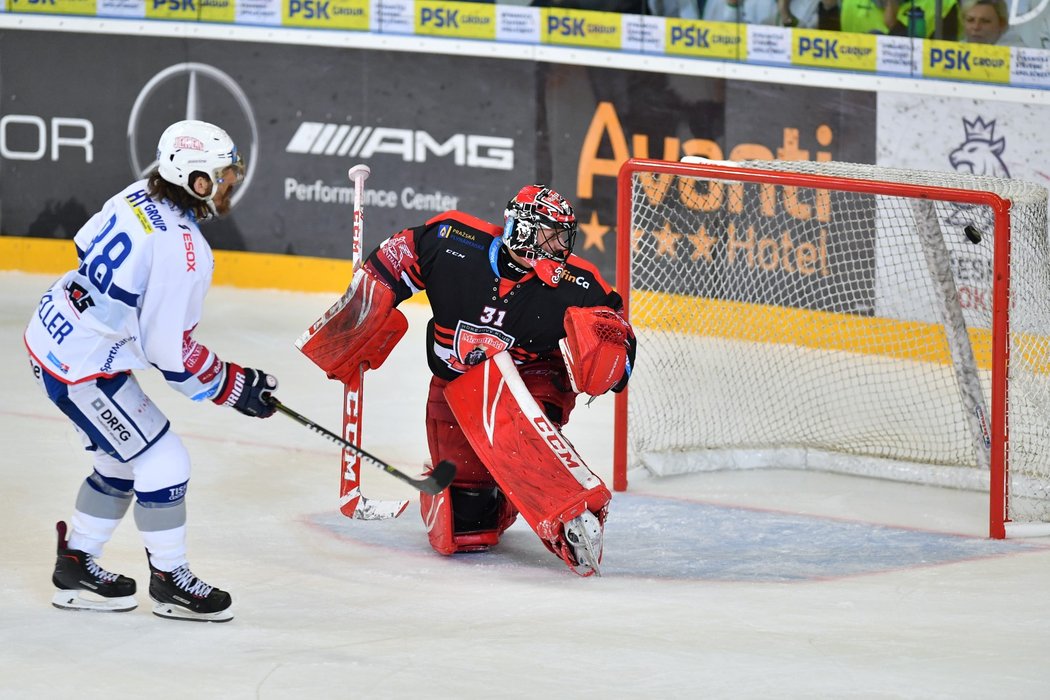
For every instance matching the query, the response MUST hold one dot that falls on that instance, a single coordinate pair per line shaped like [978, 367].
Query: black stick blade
[439, 478]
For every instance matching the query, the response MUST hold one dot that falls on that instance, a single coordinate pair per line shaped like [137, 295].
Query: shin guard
[535, 466]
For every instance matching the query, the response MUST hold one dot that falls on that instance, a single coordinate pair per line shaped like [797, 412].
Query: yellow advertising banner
[326, 14]
[224, 11]
[723, 40]
[984, 62]
[463, 20]
[55, 7]
[844, 51]
[597, 30]
[184, 10]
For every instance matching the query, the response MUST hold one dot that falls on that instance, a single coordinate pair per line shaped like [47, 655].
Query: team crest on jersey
[472, 345]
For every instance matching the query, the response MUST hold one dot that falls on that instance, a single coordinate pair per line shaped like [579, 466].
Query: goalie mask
[539, 224]
[189, 147]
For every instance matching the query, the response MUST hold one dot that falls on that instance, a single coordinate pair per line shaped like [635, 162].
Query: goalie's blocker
[361, 328]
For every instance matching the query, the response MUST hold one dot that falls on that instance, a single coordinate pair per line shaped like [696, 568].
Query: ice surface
[758, 584]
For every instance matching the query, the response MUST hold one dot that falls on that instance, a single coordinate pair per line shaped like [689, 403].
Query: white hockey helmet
[191, 146]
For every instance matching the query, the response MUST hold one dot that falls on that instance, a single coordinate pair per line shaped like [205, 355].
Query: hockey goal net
[851, 318]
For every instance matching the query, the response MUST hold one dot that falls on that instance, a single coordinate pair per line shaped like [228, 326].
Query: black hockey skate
[84, 585]
[180, 595]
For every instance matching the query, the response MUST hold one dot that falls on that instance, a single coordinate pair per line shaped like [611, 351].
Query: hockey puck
[973, 234]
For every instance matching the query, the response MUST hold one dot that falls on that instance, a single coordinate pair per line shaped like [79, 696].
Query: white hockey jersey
[133, 302]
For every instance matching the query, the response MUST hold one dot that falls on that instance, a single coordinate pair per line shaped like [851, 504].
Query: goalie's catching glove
[595, 348]
[247, 390]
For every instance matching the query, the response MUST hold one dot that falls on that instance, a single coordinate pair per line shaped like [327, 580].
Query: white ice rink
[732, 585]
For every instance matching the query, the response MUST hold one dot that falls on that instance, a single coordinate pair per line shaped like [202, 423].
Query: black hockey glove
[247, 390]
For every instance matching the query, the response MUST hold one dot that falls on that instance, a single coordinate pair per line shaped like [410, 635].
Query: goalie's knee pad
[446, 441]
[548, 383]
[465, 519]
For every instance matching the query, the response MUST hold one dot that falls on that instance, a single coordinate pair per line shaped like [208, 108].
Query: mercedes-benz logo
[140, 127]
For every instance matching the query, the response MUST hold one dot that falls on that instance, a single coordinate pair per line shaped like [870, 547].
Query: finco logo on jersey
[564, 274]
[238, 120]
[411, 145]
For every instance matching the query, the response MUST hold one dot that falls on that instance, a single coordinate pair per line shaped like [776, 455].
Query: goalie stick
[434, 483]
[352, 503]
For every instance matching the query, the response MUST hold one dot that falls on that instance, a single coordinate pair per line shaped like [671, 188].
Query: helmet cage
[537, 217]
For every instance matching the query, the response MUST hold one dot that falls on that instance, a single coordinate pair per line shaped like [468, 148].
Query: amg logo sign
[412, 145]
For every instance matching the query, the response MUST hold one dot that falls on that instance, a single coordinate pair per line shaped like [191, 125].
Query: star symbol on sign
[594, 233]
[666, 241]
[703, 244]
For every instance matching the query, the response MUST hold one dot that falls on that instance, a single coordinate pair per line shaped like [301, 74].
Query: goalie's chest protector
[478, 313]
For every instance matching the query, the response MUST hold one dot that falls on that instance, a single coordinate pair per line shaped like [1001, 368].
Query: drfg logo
[110, 421]
[27, 137]
[818, 48]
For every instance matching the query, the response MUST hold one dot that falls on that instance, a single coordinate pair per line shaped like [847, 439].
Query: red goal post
[873, 321]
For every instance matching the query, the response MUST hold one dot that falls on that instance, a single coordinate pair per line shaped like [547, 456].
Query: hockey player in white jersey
[132, 303]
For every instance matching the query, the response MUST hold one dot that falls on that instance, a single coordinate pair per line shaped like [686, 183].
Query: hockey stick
[352, 503]
[436, 482]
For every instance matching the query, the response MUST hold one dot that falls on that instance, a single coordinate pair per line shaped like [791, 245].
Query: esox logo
[191, 255]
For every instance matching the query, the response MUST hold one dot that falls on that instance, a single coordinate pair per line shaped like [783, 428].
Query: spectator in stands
[861, 16]
[891, 17]
[632, 7]
[742, 11]
[808, 14]
[984, 21]
[895, 16]
[683, 9]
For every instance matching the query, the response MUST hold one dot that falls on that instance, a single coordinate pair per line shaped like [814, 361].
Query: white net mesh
[799, 327]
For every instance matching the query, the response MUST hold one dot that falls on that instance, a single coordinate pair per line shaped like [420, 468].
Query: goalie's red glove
[247, 390]
[595, 348]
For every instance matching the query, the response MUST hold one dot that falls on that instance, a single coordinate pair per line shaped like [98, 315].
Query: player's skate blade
[177, 612]
[86, 600]
[180, 595]
[584, 534]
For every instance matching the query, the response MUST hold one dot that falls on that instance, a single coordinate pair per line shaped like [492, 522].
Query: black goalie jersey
[482, 301]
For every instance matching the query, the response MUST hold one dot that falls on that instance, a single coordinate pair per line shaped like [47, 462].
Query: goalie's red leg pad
[548, 383]
[437, 519]
[535, 466]
[447, 442]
